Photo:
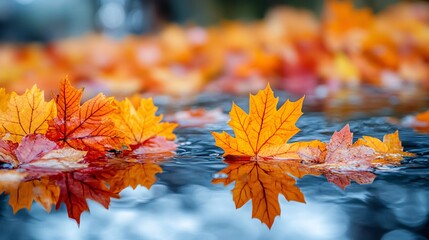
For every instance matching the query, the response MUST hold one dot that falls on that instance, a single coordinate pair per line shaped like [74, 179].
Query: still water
[184, 203]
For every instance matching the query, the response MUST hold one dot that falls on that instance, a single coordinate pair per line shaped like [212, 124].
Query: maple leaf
[388, 151]
[340, 153]
[36, 151]
[76, 187]
[23, 192]
[26, 114]
[87, 127]
[264, 132]
[141, 124]
[262, 182]
[4, 99]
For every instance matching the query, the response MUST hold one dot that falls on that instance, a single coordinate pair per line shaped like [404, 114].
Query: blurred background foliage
[46, 20]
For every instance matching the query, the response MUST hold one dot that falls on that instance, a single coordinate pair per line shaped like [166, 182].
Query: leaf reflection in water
[99, 182]
[263, 181]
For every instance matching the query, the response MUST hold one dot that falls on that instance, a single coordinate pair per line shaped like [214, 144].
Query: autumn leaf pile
[36, 132]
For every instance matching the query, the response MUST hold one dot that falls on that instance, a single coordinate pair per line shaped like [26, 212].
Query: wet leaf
[36, 151]
[87, 127]
[63, 159]
[34, 147]
[141, 124]
[26, 114]
[265, 131]
[340, 153]
[390, 151]
[262, 182]
[4, 99]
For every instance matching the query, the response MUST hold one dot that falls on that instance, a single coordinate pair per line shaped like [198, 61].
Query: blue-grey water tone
[184, 204]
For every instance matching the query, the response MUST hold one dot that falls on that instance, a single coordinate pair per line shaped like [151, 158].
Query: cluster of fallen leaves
[262, 159]
[63, 133]
[291, 48]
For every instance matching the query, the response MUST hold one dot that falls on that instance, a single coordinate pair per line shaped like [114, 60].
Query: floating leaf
[141, 124]
[34, 147]
[36, 151]
[390, 151]
[340, 153]
[26, 114]
[87, 127]
[264, 132]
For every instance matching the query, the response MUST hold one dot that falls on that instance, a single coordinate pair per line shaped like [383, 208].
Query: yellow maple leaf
[4, 99]
[141, 123]
[389, 150]
[25, 114]
[265, 131]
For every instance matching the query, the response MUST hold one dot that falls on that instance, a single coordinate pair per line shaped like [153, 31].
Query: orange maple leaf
[264, 132]
[25, 114]
[88, 127]
[262, 182]
[339, 153]
[388, 151]
[139, 124]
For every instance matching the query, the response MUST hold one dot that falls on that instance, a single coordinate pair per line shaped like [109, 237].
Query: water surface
[183, 203]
